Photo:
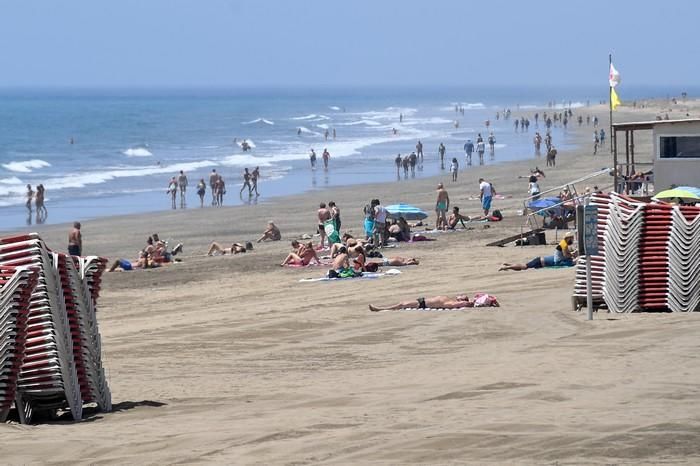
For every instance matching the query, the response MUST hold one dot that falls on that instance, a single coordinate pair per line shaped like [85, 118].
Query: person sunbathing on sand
[142, 262]
[437, 302]
[271, 233]
[236, 248]
[302, 254]
[398, 261]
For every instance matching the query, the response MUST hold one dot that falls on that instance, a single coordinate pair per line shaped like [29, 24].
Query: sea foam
[137, 152]
[25, 166]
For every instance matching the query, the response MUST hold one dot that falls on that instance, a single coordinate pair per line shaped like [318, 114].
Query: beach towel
[331, 232]
[367, 275]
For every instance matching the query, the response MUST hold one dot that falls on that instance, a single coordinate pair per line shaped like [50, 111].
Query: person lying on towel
[564, 256]
[436, 302]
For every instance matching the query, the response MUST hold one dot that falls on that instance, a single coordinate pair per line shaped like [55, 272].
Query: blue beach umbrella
[406, 211]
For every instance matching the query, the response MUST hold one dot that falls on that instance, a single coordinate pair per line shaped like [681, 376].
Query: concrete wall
[675, 171]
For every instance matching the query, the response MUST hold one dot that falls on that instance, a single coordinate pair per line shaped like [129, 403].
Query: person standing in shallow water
[398, 161]
[326, 157]
[246, 182]
[182, 185]
[441, 153]
[419, 151]
[254, 177]
[201, 191]
[30, 196]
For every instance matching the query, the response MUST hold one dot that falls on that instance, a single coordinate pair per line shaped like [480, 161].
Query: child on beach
[454, 169]
[201, 191]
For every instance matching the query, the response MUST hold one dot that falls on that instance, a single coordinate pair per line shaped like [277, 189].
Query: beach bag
[331, 232]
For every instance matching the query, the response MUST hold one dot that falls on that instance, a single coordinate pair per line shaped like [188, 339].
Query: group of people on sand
[271, 233]
[38, 197]
[154, 254]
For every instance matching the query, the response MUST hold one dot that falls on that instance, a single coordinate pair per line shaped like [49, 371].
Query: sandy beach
[233, 360]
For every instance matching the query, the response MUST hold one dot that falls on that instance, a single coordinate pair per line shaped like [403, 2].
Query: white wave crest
[334, 108]
[25, 166]
[11, 180]
[137, 152]
[258, 120]
[306, 130]
[322, 126]
[362, 122]
[312, 117]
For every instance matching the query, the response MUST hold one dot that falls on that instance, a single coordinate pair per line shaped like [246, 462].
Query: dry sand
[232, 360]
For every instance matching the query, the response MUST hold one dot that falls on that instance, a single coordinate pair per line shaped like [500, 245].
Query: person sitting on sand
[455, 218]
[341, 261]
[436, 302]
[271, 233]
[302, 254]
[216, 249]
[564, 256]
[359, 258]
[401, 230]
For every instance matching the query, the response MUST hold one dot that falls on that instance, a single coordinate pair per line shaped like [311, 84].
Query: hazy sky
[353, 42]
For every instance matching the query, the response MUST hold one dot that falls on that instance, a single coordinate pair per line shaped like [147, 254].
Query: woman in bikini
[301, 255]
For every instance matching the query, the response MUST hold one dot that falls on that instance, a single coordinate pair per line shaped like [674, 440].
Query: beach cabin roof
[643, 125]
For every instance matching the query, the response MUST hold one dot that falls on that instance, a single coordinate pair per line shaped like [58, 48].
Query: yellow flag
[614, 99]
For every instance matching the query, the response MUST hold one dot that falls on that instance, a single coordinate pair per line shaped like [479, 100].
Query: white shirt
[534, 187]
[380, 214]
[454, 167]
[485, 188]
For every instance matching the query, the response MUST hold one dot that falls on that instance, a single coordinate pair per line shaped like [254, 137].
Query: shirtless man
[441, 205]
[30, 196]
[236, 248]
[323, 215]
[437, 302]
[326, 157]
[455, 218]
[341, 260]
[398, 161]
[75, 240]
[213, 179]
[419, 151]
[182, 185]
[254, 180]
[246, 182]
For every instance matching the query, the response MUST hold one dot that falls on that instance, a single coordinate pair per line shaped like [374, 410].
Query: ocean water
[127, 144]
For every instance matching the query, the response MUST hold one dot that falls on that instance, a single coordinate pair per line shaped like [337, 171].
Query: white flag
[614, 76]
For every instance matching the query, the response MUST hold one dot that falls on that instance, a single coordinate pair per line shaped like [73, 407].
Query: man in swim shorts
[75, 240]
[437, 302]
[441, 205]
[486, 193]
[323, 214]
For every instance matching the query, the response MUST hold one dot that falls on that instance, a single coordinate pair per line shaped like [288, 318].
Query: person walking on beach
[419, 151]
[480, 149]
[468, 149]
[596, 142]
[517, 122]
[552, 157]
[172, 190]
[201, 191]
[75, 241]
[246, 182]
[406, 162]
[441, 153]
[548, 141]
[30, 196]
[595, 121]
[538, 142]
[182, 184]
[486, 193]
[254, 177]
[442, 203]
[492, 143]
[220, 191]
[334, 134]
[412, 159]
[213, 178]
[602, 137]
[312, 159]
[454, 169]
[323, 215]
[397, 162]
[326, 157]
[41, 211]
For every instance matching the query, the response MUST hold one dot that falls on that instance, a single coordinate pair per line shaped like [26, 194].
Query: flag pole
[612, 134]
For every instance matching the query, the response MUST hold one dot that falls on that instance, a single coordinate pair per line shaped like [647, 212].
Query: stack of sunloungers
[60, 362]
[648, 259]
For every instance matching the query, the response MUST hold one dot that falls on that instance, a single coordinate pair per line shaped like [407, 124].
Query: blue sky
[182, 43]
